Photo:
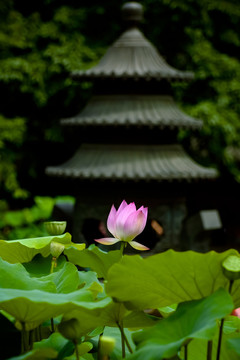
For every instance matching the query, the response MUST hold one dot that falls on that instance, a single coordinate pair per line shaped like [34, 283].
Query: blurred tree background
[42, 41]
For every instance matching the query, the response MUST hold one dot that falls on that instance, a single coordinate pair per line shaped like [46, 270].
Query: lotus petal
[107, 241]
[134, 225]
[121, 233]
[121, 207]
[138, 246]
[111, 221]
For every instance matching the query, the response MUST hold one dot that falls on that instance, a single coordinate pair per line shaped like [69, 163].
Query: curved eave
[133, 56]
[133, 110]
[132, 163]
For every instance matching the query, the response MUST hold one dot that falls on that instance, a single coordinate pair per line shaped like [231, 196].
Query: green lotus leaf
[89, 280]
[40, 266]
[167, 310]
[110, 315]
[83, 349]
[231, 324]
[95, 333]
[80, 246]
[37, 354]
[197, 348]
[94, 258]
[168, 278]
[55, 341]
[32, 307]
[195, 319]
[24, 250]
[87, 356]
[234, 344]
[15, 276]
[34, 300]
[65, 279]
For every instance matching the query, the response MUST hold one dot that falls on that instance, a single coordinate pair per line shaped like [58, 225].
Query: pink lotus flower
[125, 224]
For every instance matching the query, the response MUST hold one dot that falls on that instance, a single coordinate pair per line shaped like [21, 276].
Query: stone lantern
[127, 141]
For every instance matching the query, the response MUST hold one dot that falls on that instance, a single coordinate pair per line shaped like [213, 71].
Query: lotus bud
[107, 345]
[70, 329]
[231, 267]
[55, 228]
[56, 249]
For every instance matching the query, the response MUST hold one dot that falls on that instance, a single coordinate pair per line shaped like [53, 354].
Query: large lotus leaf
[88, 320]
[40, 266]
[116, 313]
[64, 347]
[32, 307]
[168, 278]
[94, 258]
[65, 279]
[195, 319]
[37, 354]
[15, 276]
[24, 250]
[110, 315]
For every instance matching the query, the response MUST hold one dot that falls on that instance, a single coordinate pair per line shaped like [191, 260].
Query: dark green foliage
[42, 42]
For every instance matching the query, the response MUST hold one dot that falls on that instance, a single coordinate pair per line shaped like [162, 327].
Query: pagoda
[126, 141]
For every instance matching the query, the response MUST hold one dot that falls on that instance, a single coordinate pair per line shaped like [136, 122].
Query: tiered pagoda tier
[128, 130]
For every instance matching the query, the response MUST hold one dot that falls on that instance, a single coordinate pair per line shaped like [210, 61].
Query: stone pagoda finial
[132, 13]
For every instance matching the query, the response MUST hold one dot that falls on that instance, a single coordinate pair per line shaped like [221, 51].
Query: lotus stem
[123, 245]
[221, 325]
[76, 349]
[53, 264]
[36, 334]
[230, 286]
[25, 339]
[185, 352]
[31, 340]
[40, 332]
[22, 342]
[52, 325]
[123, 335]
[127, 342]
[122, 340]
[99, 352]
[209, 350]
[220, 340]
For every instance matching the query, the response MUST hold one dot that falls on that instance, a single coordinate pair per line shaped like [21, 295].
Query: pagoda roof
[132, 56]
[136, 110]
[132, 163]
